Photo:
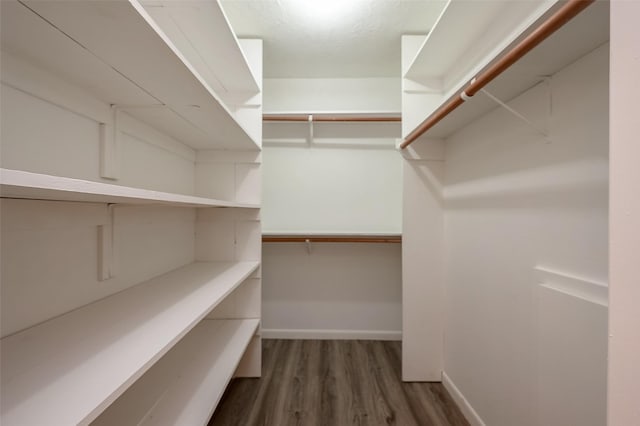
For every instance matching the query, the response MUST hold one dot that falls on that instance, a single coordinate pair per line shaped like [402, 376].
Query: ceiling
[353, 38]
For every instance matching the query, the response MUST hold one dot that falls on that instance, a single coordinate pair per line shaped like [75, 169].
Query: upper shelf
[450, 57]
[69, 369]
[20, 184]
[117, 51]
[446, 42]
[201, 31]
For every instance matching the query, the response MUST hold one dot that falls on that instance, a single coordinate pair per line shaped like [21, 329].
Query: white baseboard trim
[330, 334]
[469, 413]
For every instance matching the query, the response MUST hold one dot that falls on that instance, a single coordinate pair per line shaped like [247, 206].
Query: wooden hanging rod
[329, 118]
[331, 239]
[563, 15]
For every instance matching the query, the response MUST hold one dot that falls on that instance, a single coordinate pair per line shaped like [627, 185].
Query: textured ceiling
[362, 41]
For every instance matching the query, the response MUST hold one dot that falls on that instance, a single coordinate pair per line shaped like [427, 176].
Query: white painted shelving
[138, 92]
[70, 368]
[446, 42]
[192, 26]
[202, 365]
[117, 51]
[469, 36]
[36, 186]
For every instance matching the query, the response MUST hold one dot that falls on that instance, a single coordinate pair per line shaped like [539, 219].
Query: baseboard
[469, 413]
[330, 334]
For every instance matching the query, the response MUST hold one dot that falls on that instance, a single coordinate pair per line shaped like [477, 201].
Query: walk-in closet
[339, 212]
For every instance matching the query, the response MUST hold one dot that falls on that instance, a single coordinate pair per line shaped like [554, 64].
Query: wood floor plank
[334, 383]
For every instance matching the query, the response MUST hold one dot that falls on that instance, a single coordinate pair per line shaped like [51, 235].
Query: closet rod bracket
[310, 120]
[515, 113]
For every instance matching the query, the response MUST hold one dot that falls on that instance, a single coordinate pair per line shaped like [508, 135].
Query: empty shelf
[20, 184]
[498, 25]
[115, 50]
[184, 387]
[70, 368]
[459, 25]
[200, 30]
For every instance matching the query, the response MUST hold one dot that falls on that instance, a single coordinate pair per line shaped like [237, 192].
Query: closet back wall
[332, 190]
[347, 180]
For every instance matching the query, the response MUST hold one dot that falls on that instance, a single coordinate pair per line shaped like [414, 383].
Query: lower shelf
[72, 367]
[184, 387]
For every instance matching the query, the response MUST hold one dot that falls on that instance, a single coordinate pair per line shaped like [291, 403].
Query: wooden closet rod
[329, 118]
[544, 30]
[331, 239]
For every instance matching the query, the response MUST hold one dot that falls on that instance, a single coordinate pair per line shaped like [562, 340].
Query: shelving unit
[210, 353]
[469, 39]
[447, 42]
[192, 26]
[135, 104]
[117, 51]
[72, 367]
[488, 32]
[36, 186]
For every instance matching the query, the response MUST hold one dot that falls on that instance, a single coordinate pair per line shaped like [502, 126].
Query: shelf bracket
[106, 255]
[110, 146]
[110, 142]
[531, 124]
[310, 119]
[308, 244]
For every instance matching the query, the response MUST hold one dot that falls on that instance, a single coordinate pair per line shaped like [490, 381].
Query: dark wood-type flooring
[334, 383]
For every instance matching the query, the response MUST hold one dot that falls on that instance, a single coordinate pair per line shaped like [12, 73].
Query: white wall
[624, 315]
[337, 290]
[515, 335]
[346, 179]
[334, 291]
[332, 190]
[331, 94]
[423, 262]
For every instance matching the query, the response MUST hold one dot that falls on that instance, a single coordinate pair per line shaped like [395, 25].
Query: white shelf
[584, 33]
[201, 31]
[458, 26]
[184, 387]
[20, 184]
[115, 50]
[466, 33]
[70, 368]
